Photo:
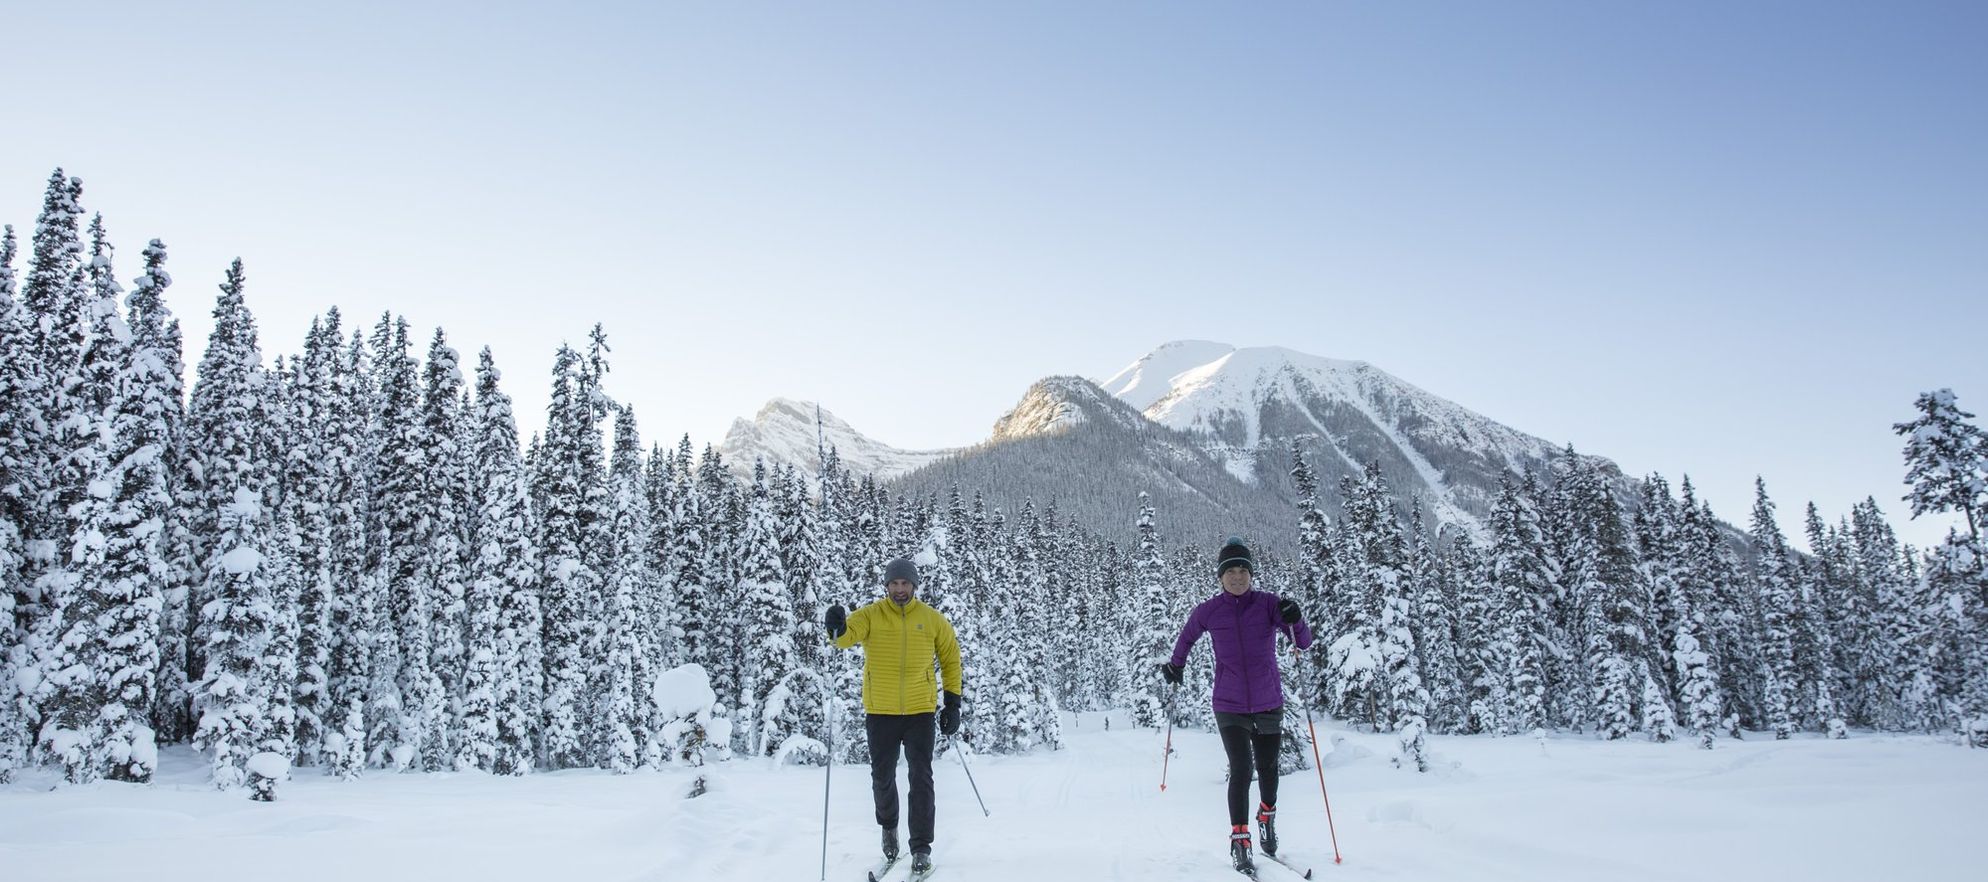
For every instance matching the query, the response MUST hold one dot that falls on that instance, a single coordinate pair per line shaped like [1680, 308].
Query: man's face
[900, 590]
[1235, 580]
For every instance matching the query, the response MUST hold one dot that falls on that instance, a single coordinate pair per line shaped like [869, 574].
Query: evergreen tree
[355, 603]
[1946, 460]
[447, 505]
[237, 615]
[1605, 573]
[20, 451]
[1957, 581]
[104, 564]
[570, 585]
[631, 740]
[1774, 584]
[1430, 592]
[134, 569]
[768, 617]
[1886, 668]
[1524, 584]
[1666, 563]
[503, 686]
[1826, 598]
[54, 299]
[309, 504]
[413, 732]
[1153, 630]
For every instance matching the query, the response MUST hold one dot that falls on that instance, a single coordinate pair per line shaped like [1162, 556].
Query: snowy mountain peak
[1253, 404]
[1059, 404]
[1151, 377]
[784, 432]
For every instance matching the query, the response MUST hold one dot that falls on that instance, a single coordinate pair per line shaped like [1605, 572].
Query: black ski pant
[914, 734]
[1260, 734]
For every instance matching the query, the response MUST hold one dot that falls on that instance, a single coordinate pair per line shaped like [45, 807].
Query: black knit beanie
[1235, 553]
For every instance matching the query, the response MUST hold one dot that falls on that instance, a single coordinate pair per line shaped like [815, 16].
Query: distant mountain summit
[1251, 406]
[1069, 443]
[783, 432]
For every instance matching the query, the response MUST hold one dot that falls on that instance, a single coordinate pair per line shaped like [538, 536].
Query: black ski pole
[954, 743]
[828, 773]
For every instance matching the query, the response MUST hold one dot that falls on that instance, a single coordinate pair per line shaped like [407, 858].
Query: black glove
[837, 621]
[949, 716]
[1172, 673]
[1288, 610]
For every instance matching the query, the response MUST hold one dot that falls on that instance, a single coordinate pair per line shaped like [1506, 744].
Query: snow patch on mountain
[784, 432]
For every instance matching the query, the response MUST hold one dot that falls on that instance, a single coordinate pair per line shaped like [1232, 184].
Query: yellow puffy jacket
[899, 645]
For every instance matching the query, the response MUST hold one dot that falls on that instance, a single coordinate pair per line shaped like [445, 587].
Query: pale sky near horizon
[1705, 238]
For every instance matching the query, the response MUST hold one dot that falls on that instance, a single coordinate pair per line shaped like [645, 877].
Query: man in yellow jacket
[901, 638]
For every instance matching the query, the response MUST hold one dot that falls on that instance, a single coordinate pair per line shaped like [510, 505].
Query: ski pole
[954, 744]
[1320, 763]
[828, 773]
[1167, 753]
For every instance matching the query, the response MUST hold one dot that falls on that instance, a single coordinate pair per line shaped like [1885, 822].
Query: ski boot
[1239, 850]
[1266, 827]
[921, 865]
[890, 844]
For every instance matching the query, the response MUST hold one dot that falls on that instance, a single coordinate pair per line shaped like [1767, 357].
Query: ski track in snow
[1873, 807]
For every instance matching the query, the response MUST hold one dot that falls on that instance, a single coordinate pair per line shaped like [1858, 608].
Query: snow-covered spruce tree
[402, 533]
[144, 410]
[277, 746]
[964, 565]
[1887, 666]
[1430, 592]
[1356, 676]
[679, 533]
[53, 298]
[20, 440]
[98, 558]
[238, 614]
[309, 500]
[1730, 615]
[1032, 600]
[355, 605]
[1602, 568]
[721, 518]
[659, 483]
[504, 684]
[803, 713]
[1825, 596]
[1311, 575]
[572, 587]
[1485, 643]
[156, 331]
[1524, 583]
[1955, 594]
[1946, 460]
[767, 622]
[625, 617]
[1773, 580]
[1666, 565]
[447, 506]
[1152, 630]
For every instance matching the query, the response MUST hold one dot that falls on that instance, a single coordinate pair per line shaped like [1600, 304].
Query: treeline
[345, 560]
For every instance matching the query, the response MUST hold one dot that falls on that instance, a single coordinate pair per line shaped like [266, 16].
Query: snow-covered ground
[1875, 807]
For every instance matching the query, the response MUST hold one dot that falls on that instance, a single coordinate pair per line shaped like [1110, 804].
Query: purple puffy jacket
[1243, 631]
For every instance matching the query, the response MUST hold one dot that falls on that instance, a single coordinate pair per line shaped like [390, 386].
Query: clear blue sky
[1715, 238]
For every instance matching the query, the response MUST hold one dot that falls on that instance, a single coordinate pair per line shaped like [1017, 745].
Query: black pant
[915, 732]
[1238, 742]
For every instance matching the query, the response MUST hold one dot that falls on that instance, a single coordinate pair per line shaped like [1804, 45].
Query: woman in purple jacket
[1242, 624]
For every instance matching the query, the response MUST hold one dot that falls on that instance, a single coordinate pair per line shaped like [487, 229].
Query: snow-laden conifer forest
[342, 562]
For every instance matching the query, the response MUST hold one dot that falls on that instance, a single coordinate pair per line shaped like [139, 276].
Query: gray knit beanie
[902, 568]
